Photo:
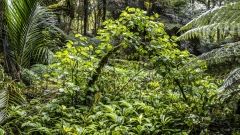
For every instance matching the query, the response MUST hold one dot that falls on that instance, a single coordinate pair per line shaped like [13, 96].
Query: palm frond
[224, 18]
[10, 95]
[24, 21]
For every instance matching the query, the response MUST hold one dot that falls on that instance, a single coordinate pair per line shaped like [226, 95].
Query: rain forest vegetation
[129, 76]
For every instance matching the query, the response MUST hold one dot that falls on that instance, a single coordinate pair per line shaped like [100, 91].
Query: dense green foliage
[131, 78]
[135, 81]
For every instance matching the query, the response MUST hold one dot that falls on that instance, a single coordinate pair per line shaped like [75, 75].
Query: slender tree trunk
[220, 3]
[2, 23]
[209, 4]
[104, 10]
[78, 21]
[81, 26]
[99, 17]
[126, 2]
[85, 17]
[69, 26]
[95, 22]
[78, 17]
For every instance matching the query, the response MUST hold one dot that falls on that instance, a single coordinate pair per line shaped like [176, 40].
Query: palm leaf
[24, 21]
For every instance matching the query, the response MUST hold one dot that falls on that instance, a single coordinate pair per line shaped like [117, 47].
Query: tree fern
[228, 53]
[231, 81]
[219, 22]
[225, 19]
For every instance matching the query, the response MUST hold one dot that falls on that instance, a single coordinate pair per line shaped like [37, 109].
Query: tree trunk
[85, 16]
[104, 10]
[126, 3]
[95, 22]
[78, 17]
[209, 4]
[2, 23]
[69, 26]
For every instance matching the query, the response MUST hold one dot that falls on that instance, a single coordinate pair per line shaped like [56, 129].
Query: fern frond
[222, 18]
[231, 81]
[227, 13]
[227, 53]
[211, 30]
[219, 22]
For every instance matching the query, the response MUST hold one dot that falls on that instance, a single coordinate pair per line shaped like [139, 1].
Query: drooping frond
[224, 19]
[231, 81]
[222, 29]
[214, 25]
[227, 53]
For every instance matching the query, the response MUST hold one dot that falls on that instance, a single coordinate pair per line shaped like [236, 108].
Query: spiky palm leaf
[24, 21]
[217, 22]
